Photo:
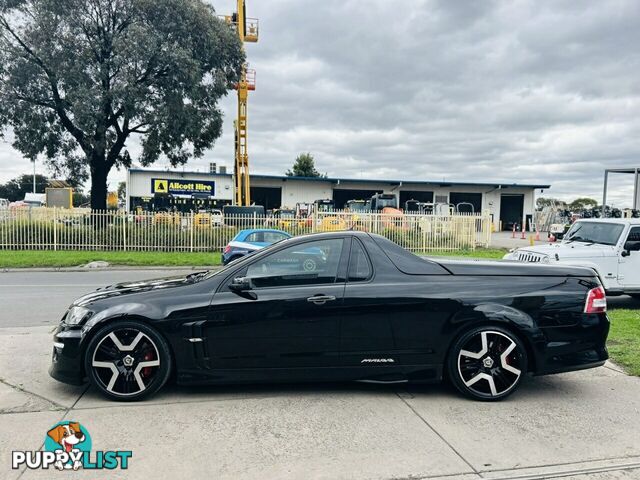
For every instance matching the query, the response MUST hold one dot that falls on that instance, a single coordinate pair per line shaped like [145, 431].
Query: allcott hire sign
[182, 187]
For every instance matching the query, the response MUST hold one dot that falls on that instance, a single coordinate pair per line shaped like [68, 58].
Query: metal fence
[60, 229]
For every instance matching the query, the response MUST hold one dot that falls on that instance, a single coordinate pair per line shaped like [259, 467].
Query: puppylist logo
[67, 446]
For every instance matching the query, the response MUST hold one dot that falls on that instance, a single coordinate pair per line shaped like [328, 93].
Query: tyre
[128, 361]
[487, 363]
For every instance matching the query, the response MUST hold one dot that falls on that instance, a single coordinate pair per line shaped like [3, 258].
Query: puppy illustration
[67, 436]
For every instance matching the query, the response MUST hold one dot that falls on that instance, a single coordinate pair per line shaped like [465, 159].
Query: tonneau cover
[510, 268]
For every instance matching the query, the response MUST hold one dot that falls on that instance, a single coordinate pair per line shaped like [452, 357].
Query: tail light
[596, 301]
[227, 249]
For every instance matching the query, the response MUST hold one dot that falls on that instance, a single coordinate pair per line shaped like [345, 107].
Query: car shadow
[548, 388]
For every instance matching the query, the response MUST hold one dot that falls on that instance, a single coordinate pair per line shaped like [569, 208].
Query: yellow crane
[247, 29]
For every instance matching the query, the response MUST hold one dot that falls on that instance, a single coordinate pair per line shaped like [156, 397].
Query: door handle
[321, 299]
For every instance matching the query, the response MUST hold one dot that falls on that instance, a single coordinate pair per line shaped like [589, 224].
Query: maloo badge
[378, 360]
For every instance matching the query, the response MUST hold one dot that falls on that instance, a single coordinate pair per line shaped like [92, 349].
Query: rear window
[406, 261]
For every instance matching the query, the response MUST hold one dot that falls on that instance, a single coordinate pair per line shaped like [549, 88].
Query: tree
[80, 199]
[542, 202]
[78, 78]
[15, 189]
[583, 203]
[122, 191]
[304, 166]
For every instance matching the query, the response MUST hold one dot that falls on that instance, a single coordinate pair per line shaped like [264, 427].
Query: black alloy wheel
[487, 363]
[127, 361]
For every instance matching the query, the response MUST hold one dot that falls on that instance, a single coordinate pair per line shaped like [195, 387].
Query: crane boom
[247, 29]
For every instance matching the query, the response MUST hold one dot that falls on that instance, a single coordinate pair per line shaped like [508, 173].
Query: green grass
[65, 258]
[486, 253]
[68, 258]
[624, 339]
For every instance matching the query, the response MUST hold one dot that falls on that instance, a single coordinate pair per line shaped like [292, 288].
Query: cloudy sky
[515, 91]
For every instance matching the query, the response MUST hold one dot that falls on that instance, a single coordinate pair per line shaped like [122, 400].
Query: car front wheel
[128, 361]
[487, 363]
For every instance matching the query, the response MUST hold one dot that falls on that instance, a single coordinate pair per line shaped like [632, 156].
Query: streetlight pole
[34, 175]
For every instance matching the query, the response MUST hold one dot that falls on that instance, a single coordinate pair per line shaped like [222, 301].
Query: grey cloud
[522, 91]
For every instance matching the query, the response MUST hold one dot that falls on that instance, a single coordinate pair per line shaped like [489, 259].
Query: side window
[305, 264]
[273, 237]
[253, 237]
[359, 266]
[634, 235]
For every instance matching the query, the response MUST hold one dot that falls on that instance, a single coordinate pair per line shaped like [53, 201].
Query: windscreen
[594, 232]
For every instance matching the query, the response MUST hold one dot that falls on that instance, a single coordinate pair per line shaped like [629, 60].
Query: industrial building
[184, 190]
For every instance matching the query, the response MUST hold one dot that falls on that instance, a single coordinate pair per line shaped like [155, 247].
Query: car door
[366, 333]
[390, 319]
[289, 318]
[629, 262]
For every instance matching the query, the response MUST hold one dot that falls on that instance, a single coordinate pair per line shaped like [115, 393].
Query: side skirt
[379, 374]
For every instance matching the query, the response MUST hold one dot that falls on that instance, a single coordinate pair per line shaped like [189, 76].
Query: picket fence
[80, 229]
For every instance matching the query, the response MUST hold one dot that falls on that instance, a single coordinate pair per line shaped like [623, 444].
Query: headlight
[76, 315]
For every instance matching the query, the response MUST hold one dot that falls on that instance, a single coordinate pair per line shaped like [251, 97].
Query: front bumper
[66, 359]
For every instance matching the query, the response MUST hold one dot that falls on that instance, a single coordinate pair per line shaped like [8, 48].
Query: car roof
[337, 233]
[249, 231]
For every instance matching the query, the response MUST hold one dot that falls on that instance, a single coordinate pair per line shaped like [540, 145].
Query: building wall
[305, 191]
[139, 182]
[297, 191]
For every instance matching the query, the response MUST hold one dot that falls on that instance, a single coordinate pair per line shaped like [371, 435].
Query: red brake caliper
[146, 371]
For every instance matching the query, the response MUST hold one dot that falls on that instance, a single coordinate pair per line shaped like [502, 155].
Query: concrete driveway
[581, 425]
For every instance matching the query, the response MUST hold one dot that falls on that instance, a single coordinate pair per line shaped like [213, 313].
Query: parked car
[333, 307]
[610, 246]
[249, 241]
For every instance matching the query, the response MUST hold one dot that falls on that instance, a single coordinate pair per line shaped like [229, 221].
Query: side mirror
[240, 284]
[632, 246]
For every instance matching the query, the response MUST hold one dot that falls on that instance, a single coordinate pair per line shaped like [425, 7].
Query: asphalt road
[36, 298]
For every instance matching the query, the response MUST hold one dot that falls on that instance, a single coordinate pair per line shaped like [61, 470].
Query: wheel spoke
[505, 364]
[483, 376]
[141, 365]
[126, 348]
[481, 353]
[114, 370]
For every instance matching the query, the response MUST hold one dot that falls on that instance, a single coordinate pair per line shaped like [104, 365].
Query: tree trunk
[98, 182]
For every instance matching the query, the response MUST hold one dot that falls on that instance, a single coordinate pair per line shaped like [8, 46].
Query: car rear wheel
[487, 363]
[128, 361]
